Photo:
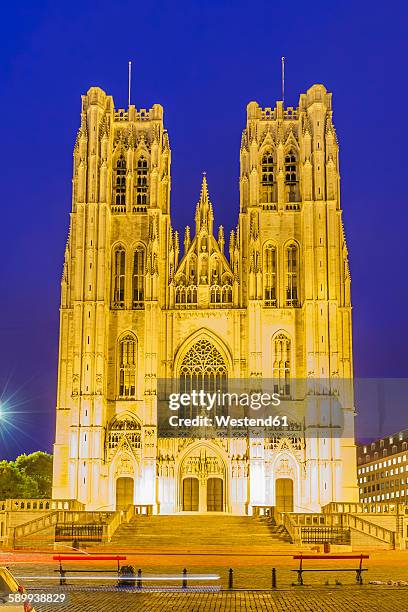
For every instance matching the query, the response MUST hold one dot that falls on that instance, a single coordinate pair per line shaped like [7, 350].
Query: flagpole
[283, 81]
[129, 81]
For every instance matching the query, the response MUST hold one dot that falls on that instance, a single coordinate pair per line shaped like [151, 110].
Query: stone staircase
[200, 533]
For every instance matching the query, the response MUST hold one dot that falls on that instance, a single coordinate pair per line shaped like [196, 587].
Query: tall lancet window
[270, 275]
[120, 185]
[291, 176]
[281, 364]
[292, 275]
[141, 183]
[127, 366]
[267, 177]
[138, 277]
[118, 277]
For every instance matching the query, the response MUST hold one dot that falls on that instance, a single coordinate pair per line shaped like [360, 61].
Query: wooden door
[190, 494]
[124, 492]
[284, 494]
[215, 495]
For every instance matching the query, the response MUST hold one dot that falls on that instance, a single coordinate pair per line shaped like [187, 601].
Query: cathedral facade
[140, 304]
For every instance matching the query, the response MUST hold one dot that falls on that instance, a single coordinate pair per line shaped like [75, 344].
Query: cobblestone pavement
[250, 572]
[338, 599]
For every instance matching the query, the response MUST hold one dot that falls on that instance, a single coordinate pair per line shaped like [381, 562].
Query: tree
[29, 477]
[37, 466]
[15, 484]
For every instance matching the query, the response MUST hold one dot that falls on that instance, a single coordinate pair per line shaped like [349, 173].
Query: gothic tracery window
[138, 278]
[267, 177]
[292, 275]
[203, 367]
[141, 183]
[186, 296]
[270, 275]
[120, 185]
[281, 364]
[291, 177]
[290, 167]
[118, 277]
[127, 367]
[123, 429]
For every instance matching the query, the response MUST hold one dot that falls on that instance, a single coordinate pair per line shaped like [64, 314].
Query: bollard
[274, 577]
[62, 579]
[231, 578]
[184, 582]
[139, 578]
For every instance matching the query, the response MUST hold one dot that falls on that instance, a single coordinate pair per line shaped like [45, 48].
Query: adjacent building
[382, 469]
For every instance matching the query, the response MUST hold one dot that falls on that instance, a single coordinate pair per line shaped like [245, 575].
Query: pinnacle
[204, 189]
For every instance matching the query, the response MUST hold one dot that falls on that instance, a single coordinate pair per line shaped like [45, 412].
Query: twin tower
[271, 301]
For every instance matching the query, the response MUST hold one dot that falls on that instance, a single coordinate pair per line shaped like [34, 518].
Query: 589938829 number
[33, 598]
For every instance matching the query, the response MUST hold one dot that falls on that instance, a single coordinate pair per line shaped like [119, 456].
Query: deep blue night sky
[203, 62]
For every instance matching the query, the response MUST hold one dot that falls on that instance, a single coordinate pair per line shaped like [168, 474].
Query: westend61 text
[227, 421]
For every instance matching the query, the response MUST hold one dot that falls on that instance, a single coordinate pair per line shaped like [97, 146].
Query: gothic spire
[204, 213]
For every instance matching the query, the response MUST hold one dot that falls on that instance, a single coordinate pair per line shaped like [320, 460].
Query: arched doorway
[284, 494]
[215, 495]
[190, 495]
[124, 492]
[203, 486]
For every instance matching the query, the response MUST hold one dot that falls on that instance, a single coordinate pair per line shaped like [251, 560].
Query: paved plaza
[331, 591]
[339, 599]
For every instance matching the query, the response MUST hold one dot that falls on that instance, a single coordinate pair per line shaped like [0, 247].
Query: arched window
[281, 364]
[270, 275]
[186, 296]
[291, 168]
[291, 178]
[292, 275]
[138, 278]
[220, 295]
[127, 367]
[141, 184]
[267, 177]
[203, 368]
[118, 278]
[120, 186]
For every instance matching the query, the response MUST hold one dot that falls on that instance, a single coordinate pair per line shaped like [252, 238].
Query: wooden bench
[359, 570]
[63, 571]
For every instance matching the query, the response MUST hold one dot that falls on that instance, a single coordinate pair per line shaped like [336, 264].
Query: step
[210, 532]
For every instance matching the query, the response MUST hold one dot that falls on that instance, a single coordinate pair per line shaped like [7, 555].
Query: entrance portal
[124, 492]
[215, 495]
[284, 494]
[190, 494]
